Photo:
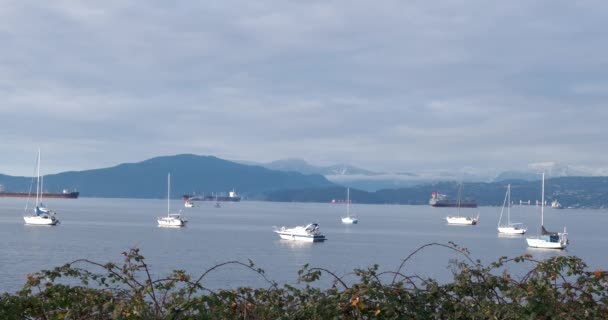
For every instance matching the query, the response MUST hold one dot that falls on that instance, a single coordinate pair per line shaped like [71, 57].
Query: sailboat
[547, 239]
[458, 219]
[172, 219]
[349, 219]
[41, 215]
[509, 227]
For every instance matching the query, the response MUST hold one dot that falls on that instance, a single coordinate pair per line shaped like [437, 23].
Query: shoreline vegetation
[561, 287]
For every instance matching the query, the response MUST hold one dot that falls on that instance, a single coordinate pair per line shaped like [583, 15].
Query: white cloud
[393, 86]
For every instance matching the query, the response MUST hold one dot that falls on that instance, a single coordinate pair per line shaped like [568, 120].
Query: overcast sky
[383, 85]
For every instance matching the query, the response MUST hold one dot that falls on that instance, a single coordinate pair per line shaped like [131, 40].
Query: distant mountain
[189, 174]
[576, 192]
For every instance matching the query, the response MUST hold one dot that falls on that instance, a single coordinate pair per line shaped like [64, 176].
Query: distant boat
[189, 204]
[231, 197]
[458, 219]
[509, 227]
[547, 239]
[556, 205]
[41, 215]
[349, 219]
[172, 219]
[440, 200]
[308, 233]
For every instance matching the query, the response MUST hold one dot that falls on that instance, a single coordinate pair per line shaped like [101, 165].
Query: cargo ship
[232, 196]
[439, 200]
[63, 195]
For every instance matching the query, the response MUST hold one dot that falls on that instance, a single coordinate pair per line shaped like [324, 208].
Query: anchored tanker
[232, 196]
[65, 194]
[439, 200]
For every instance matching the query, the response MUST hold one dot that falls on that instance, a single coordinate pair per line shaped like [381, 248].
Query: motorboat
[462, 220]
[308, 233]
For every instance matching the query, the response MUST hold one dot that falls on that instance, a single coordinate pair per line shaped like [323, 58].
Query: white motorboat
[547, 239]
[458, 219]
[172, 219]
[462, 220]
[189, 204]
[308, 233]
[42, 216]
[556, 205]
[349, 219]
[509, 227]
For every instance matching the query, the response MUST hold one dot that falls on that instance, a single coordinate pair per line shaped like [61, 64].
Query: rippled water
[100, 229]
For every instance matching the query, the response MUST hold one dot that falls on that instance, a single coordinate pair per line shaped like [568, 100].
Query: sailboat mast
[168, 192]
[38, 187]
[509, 204]
[348, 202]
[542, 203]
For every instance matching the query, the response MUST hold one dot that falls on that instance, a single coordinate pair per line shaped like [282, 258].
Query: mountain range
[190, 174]
[368, 180]
[205, 175]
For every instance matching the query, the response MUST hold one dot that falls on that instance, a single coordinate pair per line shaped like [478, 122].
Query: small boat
[547, 239]
[556, 205]
[458, 219]
[462, 220]
[308, 233]
[172, 219]
[349, 219]
[42, 215]
[189, 204]
[509, 227]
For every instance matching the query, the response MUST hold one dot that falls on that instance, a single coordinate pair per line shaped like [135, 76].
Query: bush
[558, 288]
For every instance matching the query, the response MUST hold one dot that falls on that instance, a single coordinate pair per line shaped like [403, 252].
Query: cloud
[394, 86]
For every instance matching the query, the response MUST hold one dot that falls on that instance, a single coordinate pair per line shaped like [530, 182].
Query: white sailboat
[349, 219]
[172, 219]
[458, 219]
[547, 239]
[41, 215]
[509, 227]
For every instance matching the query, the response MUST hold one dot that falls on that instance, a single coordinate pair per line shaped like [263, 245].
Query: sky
[391, 86]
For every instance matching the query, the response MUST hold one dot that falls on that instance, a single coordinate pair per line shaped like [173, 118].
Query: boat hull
[68, 195]
[165, 222]
[350, 220]
[211, 198]
[461, 220]
[41, 220]
[546, 243]
[303, 238]
[511, 230]
[452, 204]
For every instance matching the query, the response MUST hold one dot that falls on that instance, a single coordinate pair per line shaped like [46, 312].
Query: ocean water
[101, 229]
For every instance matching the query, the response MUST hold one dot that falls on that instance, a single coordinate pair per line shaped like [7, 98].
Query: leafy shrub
[557, 288]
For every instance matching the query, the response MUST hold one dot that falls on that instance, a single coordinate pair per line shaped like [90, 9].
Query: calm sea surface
[100, 229]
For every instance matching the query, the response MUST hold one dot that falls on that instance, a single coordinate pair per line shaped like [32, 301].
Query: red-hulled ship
[64, 195]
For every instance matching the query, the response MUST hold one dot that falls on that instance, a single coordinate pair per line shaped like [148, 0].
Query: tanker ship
[232, 196]
[63, 195]
[439, 200]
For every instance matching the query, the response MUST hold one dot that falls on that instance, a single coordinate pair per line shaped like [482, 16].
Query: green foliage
[556, 288]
